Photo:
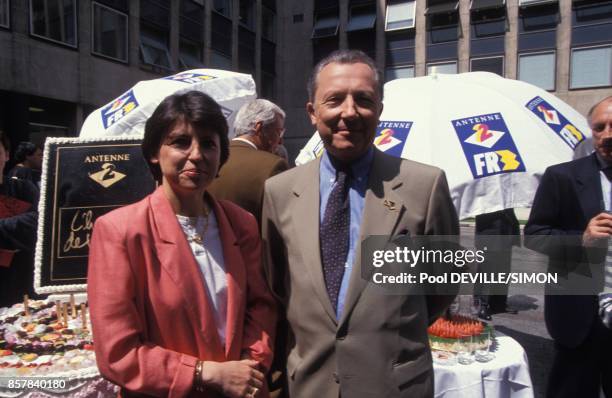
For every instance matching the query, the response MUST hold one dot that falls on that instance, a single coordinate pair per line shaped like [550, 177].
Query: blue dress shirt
[359, 180]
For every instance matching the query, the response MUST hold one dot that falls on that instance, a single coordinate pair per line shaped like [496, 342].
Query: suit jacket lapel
[306, 229]
[382, 213]
[176, 258]
[589, 190]
[236, 279]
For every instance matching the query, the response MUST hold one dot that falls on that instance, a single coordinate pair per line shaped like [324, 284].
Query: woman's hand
[235, 379]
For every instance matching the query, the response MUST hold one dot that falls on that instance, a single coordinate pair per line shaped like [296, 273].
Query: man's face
[346, 108]
[601, 127]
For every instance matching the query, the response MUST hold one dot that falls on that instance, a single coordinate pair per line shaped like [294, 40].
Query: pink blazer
[150, 312]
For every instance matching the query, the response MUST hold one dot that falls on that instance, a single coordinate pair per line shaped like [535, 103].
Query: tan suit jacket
[241, 180]
[379, 348]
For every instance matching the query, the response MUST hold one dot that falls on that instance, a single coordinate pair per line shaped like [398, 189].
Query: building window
[246, 50]
[399, 48]
[488, 64]
[591, 67]
[5, 19]
[326, 24]
[538, 69]
[268, 24]
[191, 34]
[191, 21]
[154, 47]
[538, 27]
[110, 32]
[220, 61]
[400, 15]
[399, 72]
[591, 23]
[223, 7]
[268, 56]
[443, 30]
[221, 34]
[247, 14]
[190, 54]
[449, 68]
[54, 20]
[361, 18]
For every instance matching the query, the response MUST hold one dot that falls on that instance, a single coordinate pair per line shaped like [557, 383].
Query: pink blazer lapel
[236, 281]
[177, 260]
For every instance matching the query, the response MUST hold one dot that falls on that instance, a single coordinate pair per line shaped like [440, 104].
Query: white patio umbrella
[493, 137]
[127, 114]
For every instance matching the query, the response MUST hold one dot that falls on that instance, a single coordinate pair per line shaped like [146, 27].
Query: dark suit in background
[498, 231]
[570, 195]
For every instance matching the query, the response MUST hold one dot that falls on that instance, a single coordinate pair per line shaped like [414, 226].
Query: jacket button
[336, 378]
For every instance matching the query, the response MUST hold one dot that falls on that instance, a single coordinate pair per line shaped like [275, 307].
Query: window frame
[127, 33]
[609, 45]
[7, 10]
[532, 53]
[325, 16]
[152, 43]
[413, 26]
[182, 63]
[503, 59]
[533, 3]
[62, 43]
[365, 8]
[428, 64]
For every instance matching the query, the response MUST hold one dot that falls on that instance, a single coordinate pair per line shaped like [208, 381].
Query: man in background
[569, 219]
[259, 127]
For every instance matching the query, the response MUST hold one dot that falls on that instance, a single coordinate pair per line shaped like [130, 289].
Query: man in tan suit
[346, 337]
[259, 127]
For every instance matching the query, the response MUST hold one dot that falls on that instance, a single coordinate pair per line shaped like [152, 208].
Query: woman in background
[18, 221]
[179, 303]
[29, 163]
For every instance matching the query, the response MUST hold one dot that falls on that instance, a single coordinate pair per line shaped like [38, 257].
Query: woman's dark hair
[194, 108]
[4, 140]
[24, 149]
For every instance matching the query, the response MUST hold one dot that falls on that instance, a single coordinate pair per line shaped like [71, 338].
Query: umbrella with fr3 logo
[493, 137]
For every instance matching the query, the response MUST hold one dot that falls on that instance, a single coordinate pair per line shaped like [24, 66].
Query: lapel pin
[389, 204]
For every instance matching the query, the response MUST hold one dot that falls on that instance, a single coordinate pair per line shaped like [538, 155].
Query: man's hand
[235, 379]
[599, 227]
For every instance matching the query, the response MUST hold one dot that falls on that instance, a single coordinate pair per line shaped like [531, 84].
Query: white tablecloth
[507, 375]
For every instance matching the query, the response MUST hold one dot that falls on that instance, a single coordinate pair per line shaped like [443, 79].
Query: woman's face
[188, 161]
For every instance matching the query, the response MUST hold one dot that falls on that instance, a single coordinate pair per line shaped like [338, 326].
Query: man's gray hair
[259, 110]
[590, 114]
[344, 57]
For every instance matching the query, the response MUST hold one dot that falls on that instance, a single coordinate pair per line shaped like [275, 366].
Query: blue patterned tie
[334, 235]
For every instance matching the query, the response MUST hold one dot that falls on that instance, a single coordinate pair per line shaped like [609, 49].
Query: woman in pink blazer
[179, 304]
